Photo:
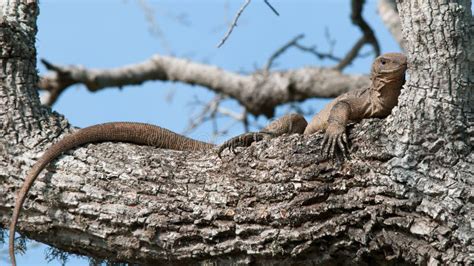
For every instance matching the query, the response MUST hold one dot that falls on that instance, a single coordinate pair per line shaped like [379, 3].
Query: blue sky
[105, 34]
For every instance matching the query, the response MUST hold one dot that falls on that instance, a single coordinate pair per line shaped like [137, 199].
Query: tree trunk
[404, 197]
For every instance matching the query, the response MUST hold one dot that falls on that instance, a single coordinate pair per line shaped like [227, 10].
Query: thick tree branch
[271, 89]
[143, 205]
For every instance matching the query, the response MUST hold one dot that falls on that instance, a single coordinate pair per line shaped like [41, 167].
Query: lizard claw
[243, 140]
[334, 137]
[343, 145]
[323, 144]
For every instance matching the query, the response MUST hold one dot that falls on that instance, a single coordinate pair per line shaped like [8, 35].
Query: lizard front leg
[287, 124]
[336, 130]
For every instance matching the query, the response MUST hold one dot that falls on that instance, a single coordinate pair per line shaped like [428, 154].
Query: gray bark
[404, 197]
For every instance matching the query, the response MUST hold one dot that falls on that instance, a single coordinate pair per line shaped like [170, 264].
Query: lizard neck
[384, 93]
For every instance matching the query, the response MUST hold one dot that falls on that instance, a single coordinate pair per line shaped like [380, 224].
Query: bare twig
[331, 42]
[281, 50]
[347, 60]
[357, 7]
[211, 111]
[367, 38]
[294, 43]
[245, 121]
[234, 23]
[203, 116]
[312, 50]
[271, 7]
[229, 113]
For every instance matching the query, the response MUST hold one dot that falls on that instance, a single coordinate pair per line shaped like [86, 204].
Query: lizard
[130, 132]
[377, 100]
[387, 77]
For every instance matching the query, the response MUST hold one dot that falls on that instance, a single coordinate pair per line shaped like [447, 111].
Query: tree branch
[351, 55]
[234, 23]
[294, 43]
[388, 12]
[138, 204]
[367, 38]
[358, 19]
[281, 50]
[271, 7]
[271, 89]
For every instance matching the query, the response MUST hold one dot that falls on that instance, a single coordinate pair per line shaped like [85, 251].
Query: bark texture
[404, 197]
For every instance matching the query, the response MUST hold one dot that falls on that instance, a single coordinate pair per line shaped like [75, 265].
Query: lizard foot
[334, 135]
[243, 140]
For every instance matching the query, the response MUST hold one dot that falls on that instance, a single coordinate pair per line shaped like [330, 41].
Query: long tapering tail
[138, 133]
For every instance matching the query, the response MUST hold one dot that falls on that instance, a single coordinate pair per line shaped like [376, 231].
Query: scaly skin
[378, 100]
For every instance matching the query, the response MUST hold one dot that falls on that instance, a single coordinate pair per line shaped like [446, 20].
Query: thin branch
[271, 7]
[281, 50]
[234, 115]
[367, 38]
[203, 116]
[357, 19]
[210, 112]
[234, 23]
[331, 42]
[312, 50]
[347, 60]
[294, 43]
[245, 121]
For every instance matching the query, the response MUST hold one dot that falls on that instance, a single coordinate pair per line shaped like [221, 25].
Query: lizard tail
[138, 133]
[47, 157]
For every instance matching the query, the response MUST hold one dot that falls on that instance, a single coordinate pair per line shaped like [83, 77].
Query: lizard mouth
[402, 68]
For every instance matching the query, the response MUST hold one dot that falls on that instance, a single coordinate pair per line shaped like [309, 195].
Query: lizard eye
[383, 62]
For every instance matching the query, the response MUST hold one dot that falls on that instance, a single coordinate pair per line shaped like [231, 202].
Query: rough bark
[433, 147]
[404, 197]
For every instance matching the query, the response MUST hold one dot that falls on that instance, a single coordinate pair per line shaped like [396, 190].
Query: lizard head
[389, 66]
